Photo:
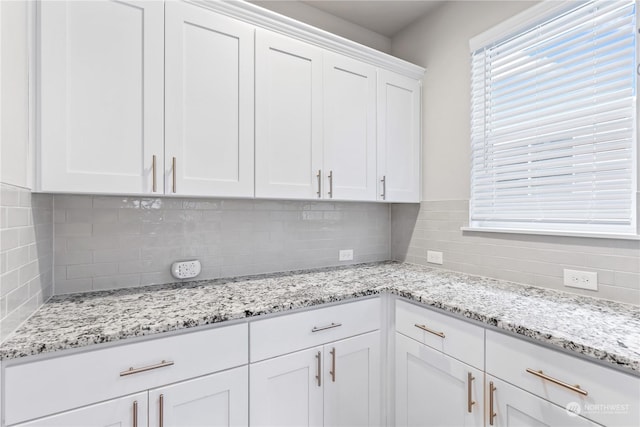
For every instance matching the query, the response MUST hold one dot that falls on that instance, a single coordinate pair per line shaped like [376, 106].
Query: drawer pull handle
[332, 372]
[319, 369]
[135, 413]
[544, 376]
[161, 420]
[133, 370]
[431, 331]
[324, 328]
[492, 414]
[470, 401]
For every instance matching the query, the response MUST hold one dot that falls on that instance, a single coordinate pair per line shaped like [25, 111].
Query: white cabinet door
[214, 400]
[287, 390]
[101, 95]
[208, 103]
[398, 137]
[288, 117]
[517, 408]
[352, 389]
[129, 411]
[435, 389]
[349, 129]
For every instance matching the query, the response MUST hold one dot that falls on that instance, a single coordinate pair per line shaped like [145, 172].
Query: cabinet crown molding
[269, 20]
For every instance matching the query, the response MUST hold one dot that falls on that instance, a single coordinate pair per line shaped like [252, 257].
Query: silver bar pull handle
[330, 184]
[492, 414]
[153, 172]
[470, 401]
[324, 328]
[318, 370]
[173, 169]
[544, 376]
[133, 370]
[135, 413]
[161, 421]
[332, 372]
[319, 179]
[384, 187]
[431, 331]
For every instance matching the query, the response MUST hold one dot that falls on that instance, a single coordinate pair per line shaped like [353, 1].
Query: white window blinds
[553, 123]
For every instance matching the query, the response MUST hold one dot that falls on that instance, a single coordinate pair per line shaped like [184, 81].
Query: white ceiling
[386, 17]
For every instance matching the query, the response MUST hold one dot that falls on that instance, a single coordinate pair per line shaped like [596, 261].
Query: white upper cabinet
[101, 95]
[398, 138]
[173, 98]
[349, 129]
[288, 117]
[208, 103]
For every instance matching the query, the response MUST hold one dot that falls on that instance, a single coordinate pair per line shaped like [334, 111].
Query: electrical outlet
[345, 255]
[186, 269]
[434, 257]
[581, 279]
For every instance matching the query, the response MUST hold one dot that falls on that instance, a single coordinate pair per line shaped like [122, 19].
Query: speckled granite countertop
[596, 328]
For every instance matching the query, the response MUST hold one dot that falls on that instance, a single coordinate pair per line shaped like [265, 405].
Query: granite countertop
[598, 329]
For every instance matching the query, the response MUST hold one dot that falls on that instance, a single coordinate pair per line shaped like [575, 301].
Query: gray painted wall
[440, 42]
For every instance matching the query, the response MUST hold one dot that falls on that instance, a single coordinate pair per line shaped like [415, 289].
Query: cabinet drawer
[454, 337]
[613, 397]
[285, 334]
[44, 387]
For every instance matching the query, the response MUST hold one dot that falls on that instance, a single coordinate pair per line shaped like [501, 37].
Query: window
[554, 120]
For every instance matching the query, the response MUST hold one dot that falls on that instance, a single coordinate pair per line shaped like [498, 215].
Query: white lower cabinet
[128, 411]
[214, 400]
[337, 384]
[509, 406]
[434, 389]
[199, 384]
[285, 391]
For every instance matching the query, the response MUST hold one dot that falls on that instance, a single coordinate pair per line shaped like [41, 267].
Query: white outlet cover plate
[186, 269]
[581, 279]
[434, 257]
[345, 255]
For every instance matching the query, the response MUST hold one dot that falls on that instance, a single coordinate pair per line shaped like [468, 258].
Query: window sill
[552, 233]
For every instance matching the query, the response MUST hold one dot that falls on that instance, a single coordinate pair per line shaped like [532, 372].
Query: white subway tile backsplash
[26, 233]
[141, 237]
[531, 259]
